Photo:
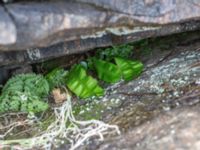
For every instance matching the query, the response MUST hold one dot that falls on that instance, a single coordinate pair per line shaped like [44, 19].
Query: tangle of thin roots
[65, 127]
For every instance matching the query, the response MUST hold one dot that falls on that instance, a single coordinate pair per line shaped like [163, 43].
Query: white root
[65, 127]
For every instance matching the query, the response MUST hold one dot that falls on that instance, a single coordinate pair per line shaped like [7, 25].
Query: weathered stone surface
[152, 11]
[43, 24]
[48, 23]
[161, 108]
[7, 28]
[178, 129]
[32, 55]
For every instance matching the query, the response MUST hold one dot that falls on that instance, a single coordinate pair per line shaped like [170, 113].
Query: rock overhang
[33, 31]
[40, 24]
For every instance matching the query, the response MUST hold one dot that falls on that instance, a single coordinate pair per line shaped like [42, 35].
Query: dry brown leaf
[58, 95]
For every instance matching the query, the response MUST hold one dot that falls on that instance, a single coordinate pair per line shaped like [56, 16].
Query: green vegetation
[124, 51]
[24, 93]
[107, 71]
[130, 69]
[84, 79]
[143, 46]
[82, 84]
[114, 64]
[56, 77]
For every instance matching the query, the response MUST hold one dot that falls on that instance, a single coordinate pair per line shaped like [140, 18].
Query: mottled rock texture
[33, 31]
[86, 24]
[175, 130]
[7, 28]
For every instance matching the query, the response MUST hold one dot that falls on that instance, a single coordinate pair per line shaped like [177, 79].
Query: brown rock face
[34, 24]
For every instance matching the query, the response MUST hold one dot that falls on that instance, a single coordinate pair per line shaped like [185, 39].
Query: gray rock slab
[43, 24]
[7, 28]
[33, 55]
[48, 23]
[152, 11]
[178, 129]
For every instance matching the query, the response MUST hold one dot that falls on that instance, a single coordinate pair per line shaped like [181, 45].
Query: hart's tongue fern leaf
[107, 71]
[82, 84]
[130, 69]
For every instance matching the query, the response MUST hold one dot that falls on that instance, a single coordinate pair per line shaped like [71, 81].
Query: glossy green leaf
[107, 71]
[82, 84]
[130, 69]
